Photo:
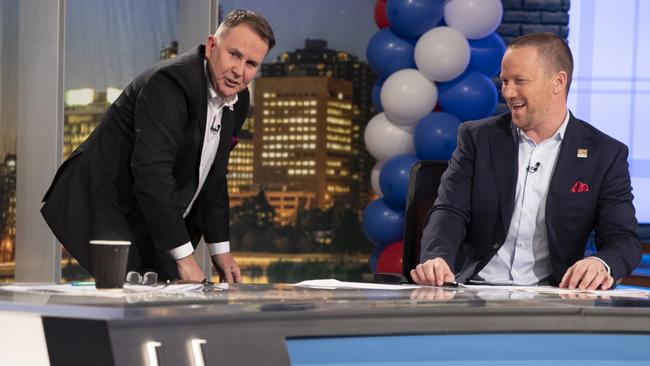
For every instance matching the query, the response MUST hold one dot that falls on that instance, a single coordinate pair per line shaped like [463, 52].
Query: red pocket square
[233, 142]
[579, 187]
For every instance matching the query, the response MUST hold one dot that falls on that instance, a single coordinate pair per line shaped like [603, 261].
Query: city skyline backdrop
[108, 43]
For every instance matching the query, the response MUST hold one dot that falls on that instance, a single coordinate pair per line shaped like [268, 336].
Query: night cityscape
[300, 175]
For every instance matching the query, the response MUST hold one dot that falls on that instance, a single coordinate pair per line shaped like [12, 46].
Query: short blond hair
[553, 51]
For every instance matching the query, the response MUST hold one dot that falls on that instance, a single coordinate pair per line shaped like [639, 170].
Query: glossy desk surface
[288, 301]
[254, 324]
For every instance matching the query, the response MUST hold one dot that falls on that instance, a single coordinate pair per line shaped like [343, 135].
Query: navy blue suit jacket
[469, 221]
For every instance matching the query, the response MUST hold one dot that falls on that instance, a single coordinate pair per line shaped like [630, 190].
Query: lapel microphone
[214, 129]
[533, 169]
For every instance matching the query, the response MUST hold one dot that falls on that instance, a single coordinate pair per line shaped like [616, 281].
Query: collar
[213, 97]
[558, 135]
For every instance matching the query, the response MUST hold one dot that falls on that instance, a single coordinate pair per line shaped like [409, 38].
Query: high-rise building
[318, 60]
[84, 109]
[303, 136]
[240, 164]
[8, 208]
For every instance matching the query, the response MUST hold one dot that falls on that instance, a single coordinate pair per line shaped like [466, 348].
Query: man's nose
[238, 69]
[507, 90]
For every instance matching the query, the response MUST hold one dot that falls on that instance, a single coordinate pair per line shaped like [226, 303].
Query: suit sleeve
[616, 223]
[450, 215]
[160, 116]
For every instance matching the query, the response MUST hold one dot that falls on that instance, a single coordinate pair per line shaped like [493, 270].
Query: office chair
[424, 180]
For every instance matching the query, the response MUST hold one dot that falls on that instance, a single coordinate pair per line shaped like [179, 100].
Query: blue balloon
[434, 136]
[470, 96]
[388, 53]
[394, 179]
[382, 224]
[486, 54]
[411, 18]
[376, 95]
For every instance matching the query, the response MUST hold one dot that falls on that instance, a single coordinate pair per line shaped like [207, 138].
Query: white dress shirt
[208, 153]
[524, 258]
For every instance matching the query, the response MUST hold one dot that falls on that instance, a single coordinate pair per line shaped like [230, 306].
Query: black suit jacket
[143, 160]
[469, 221]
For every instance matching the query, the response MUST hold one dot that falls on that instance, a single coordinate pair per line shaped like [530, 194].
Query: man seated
[524, 190]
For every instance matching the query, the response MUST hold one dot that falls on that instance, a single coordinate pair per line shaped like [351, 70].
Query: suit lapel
[504, 154]
[564, 175]
[226, 133]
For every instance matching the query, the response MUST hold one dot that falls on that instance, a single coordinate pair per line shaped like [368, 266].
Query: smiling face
[233, 58]
[530, 89]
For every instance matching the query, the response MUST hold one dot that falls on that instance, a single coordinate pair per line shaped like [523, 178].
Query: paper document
[69, 289]
[334, 284]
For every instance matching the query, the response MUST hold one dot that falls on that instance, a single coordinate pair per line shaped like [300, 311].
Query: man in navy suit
[154, 170]
[524, 190]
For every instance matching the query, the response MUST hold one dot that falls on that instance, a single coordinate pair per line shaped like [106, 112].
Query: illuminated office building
[240, 164]
[8, 208]
[303, 136]
[84, 109]
[318, 60]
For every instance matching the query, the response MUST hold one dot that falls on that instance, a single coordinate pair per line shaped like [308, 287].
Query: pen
[82, 283]
[451, 284]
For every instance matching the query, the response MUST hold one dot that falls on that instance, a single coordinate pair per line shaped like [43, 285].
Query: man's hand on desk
[587, 274]
[189, 270]
[434, 272]
[227, 268]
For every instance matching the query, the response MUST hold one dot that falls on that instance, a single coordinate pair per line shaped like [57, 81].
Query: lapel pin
[582, 153]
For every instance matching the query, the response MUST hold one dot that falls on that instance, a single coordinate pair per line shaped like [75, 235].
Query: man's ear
[561, 80]
[210, 44]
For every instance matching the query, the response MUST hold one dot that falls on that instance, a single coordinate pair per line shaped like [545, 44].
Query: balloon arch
[435, 60]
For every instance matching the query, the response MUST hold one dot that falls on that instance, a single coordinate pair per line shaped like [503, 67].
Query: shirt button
[520, 244]
[495, 246]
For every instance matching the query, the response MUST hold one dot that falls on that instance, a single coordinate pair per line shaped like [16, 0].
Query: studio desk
[286, 325]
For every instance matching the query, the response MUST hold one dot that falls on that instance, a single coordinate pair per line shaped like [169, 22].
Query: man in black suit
[154, 170]
[524, 190]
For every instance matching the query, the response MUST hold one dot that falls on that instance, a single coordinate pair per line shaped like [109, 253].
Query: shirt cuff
[609, 271]
[182, 251]
[219, 248]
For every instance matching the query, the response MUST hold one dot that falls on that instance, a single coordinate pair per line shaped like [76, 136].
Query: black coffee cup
[109, 259]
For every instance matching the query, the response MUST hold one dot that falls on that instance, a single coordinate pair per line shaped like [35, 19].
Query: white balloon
[442, 54]
[407, 96]
[374, 178]
[474, 18]
[385, 140]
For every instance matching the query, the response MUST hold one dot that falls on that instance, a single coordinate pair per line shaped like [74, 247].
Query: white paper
[335, 284]
[90, 290]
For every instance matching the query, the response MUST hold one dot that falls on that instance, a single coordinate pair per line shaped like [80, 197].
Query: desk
[250, 324]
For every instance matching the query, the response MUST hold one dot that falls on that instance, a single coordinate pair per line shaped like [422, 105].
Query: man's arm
[160, 117]
[447, 221]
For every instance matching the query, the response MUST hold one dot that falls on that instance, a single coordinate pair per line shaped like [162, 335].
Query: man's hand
[189, 270]
[433, 272]
[227, 268]
[587, 274]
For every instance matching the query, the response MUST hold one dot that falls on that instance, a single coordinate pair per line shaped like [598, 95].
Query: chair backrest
[422, 193]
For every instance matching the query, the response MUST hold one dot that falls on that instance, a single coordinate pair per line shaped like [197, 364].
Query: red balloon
[380, 14]
[390, 259]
